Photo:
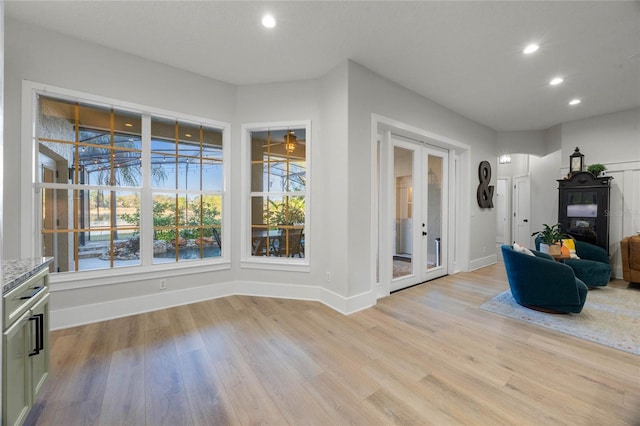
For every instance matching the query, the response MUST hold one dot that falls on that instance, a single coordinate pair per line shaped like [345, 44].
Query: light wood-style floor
[426, 355]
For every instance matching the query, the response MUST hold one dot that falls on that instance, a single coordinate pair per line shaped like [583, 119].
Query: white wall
[279, 102]
[528, 142]
[519, 166]
[545, 171]
[370, 93]
[46, 57]
[331, 192]
[612, 140]
[606, 139]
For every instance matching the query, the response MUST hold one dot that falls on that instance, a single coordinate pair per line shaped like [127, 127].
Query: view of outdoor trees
[92, 176]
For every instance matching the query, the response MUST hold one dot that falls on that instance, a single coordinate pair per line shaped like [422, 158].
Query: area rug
[610, 316]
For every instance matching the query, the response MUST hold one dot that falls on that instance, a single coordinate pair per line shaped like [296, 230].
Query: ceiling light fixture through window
[531, 48]
[574, 102]
[556, 81]
[268, 21]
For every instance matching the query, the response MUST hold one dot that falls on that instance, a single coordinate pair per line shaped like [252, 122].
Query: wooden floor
[426, 355]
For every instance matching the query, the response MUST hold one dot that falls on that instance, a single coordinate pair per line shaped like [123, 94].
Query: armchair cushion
[539, 281]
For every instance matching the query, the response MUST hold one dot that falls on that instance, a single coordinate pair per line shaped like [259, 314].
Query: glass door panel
[416, 212]
[434, 241]
[403, 212]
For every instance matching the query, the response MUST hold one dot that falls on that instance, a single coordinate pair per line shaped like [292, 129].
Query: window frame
[267, 262]
[31, 191]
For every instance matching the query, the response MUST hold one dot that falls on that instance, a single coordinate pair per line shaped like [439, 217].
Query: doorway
[419, 191]
[522, 210]
[454, 184]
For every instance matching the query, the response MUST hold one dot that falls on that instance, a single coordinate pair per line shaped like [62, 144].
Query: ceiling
[466, 56]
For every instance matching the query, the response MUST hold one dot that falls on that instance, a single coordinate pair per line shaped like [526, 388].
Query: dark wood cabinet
[583, 208]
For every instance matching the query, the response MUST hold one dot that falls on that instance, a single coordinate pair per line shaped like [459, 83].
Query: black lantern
[576, 160]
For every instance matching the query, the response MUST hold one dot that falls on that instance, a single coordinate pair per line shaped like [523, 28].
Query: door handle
[525, 220]
[424, 233]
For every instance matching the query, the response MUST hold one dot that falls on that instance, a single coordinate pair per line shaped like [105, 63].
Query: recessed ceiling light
[556, 81]
[531, 48]
[188, 135]
[574, 101]
[268, 21]
[128, 125]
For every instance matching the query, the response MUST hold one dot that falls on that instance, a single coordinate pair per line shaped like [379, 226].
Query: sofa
[630, 250]
[538, 282]
[592, 265]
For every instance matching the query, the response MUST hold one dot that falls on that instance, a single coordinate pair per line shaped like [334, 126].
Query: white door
[418, 181]
[522, 210]
[503, 209]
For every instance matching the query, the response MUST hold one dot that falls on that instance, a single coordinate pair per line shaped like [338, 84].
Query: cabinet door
[16, 394]
[40, 341]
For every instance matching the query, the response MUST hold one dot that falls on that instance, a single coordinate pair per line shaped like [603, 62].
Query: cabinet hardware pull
[35, 291]
[36, 349]
[39, 343]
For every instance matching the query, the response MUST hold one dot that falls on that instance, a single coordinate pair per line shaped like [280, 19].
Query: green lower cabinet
[25, 364]
[16, 392]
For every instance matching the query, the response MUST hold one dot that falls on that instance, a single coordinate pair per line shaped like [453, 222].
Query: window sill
[84, 279]
[275, 264]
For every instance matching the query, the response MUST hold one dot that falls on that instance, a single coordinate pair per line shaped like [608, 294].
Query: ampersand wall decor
[485, 191]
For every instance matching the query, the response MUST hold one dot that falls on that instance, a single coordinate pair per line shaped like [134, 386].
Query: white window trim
[31, 208]
[273, 263]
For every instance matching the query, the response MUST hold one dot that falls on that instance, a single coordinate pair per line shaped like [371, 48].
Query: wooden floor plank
[425, 355]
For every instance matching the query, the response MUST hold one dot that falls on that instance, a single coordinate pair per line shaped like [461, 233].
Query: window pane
[56, 119]
[212, 175]
[278, 161]
[163, 148]
[164, 212]
[97, 204]
[55, 209]
[276, 212]
[278, 165]
[188, 174]
[190, 150]
[127, 206]
[163, 172]
[81, 144]
[286, 211]
[277, 226]
[212, 143]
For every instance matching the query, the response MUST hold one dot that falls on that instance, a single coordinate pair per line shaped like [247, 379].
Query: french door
[418, 191]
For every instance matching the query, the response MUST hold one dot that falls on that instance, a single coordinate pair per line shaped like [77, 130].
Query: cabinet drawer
[24, 296]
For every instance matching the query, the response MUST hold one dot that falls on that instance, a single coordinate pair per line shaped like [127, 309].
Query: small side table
[560, 257]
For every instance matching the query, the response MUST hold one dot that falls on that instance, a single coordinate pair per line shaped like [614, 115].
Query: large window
[122, 188]
[278, 192]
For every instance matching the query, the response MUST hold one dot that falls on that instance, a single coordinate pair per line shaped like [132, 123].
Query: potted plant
[550, 239]
[596, 169]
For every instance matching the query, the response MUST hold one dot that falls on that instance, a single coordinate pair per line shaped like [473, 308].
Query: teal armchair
[539, 282]
[592, 267]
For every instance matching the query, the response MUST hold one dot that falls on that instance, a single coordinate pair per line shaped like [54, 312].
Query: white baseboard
[482, 262]
[87, 314]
